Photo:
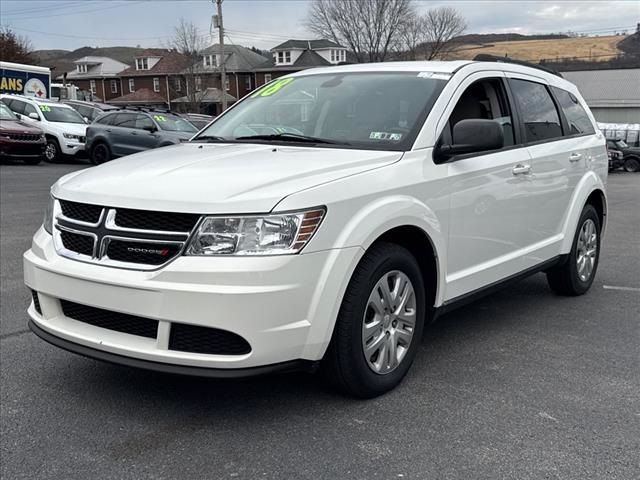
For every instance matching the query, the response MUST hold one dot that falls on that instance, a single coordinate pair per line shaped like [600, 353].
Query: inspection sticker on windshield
[385, 136]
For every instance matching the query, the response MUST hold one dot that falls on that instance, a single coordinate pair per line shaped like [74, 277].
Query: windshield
[55, 113]
[6, 114]
[360, 110]
[173, 123]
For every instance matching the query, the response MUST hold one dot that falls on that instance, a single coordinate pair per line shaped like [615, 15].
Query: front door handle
[521, 169]
[574, 157]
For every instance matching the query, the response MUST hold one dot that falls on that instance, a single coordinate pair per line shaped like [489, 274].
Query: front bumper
[17, 149]
[71, 147]
[283, 306]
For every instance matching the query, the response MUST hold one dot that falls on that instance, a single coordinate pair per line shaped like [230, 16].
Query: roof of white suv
[37, 101]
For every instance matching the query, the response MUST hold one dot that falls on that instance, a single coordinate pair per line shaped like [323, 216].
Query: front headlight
[48, 216]
[281, 234]
[71, 136]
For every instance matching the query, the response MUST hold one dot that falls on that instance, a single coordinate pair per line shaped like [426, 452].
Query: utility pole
[223, 60]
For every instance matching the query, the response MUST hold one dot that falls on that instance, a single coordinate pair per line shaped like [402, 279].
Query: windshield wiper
[291, 137]
[209, 139]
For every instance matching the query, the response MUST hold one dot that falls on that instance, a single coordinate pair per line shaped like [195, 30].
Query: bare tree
[15, 48]
[369, 28]
[187, 41]
[441, 26]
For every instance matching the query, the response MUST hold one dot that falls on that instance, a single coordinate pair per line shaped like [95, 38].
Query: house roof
[307, 59]
[307, 44]
[208, 95]
[97, 67]
[239, 59]
[171, 62]
[607, 88]
[140, 96]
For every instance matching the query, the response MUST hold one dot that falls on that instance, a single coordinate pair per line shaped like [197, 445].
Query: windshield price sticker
[160, 118]
[45, 108]
[271, 88]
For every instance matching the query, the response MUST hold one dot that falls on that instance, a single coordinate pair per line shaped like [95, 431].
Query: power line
[69, 14]
[59, 6]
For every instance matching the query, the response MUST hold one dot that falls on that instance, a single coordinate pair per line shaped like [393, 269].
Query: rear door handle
[574, 157]
[521, 169]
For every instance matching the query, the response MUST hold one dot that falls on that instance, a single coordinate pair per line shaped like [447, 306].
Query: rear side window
[577, 118]
[537, 111]
[17, 106]
[106, 119]
[126, 120]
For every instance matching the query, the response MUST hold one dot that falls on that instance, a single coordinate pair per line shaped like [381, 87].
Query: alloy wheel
[587, 250]
[50, 151]
[389, 322]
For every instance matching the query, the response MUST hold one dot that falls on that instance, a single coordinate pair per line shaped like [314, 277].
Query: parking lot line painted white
[625, 289]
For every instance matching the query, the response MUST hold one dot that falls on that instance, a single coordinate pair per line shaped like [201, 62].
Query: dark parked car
[90, 110]
[630, 160]
[19, 140]
[123, 132]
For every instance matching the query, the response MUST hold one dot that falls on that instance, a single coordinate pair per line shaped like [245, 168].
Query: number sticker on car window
[45, 108]
[271, 88]
[160, 118]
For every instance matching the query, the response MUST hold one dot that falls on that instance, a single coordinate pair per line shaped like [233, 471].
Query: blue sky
[70, 24]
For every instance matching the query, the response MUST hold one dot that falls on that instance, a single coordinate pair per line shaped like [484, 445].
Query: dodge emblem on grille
[162, 251]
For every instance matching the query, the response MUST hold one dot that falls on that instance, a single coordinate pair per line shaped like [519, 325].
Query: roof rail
[485, 57]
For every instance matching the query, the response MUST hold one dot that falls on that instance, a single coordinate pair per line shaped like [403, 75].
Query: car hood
[72, 128]
[14, 126]
[215, 178]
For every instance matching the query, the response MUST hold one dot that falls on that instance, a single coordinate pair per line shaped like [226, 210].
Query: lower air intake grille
[119, 322]
[36, 301]
[77, 243]
[190, 338]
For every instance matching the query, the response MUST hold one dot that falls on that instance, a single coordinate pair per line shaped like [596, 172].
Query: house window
[267, 77]
[156, 84]
[226, 83]
[142, 64]
[114, 86]
[338, 56]
[198, 84]
[132, 85]
[82, 68]
[92, 86]
[284, 57]
[177, 84]
[247, 82]
[210, 61]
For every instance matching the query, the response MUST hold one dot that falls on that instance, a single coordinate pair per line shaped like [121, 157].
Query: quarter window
[143, 121]
[537, 110]
[577, 118]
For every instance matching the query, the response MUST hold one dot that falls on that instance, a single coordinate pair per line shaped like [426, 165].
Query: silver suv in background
[90, 110]
[123, 132]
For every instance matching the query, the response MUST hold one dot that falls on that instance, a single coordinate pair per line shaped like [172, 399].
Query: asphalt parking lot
[520, 385]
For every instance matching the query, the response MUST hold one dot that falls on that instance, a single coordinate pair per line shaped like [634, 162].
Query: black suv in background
[630, 155]
[123, 132]
[90, 110]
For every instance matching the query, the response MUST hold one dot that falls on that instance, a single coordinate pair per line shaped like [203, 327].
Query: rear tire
[632, 165]
[575, 276]
[375, 341]
[100, 153]
[52, 152]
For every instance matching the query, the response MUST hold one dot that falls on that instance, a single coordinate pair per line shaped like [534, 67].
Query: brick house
[295, 55]
[156, 70]
[96, 77]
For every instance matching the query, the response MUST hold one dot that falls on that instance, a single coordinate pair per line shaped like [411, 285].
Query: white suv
[322, 221]
[64, 127]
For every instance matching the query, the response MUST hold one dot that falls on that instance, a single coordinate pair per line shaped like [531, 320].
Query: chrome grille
[25, 137]
[123, 238]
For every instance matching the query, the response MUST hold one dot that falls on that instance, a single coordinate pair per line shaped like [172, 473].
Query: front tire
[632, 165]
[100, 153]
[52, 152]
[379, 327]
[575, 276]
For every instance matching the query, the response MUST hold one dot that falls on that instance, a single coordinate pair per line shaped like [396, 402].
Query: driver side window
[485, 99]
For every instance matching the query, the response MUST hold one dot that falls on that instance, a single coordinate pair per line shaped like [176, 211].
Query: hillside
[598, 48]
[62, 60]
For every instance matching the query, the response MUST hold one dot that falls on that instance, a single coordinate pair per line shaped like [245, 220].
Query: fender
[589, 183]
[367, 225]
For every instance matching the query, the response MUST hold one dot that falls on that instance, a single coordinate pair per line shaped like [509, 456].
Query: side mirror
[150, 128]
[18, 116]
[34, 116]
[473, 135]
